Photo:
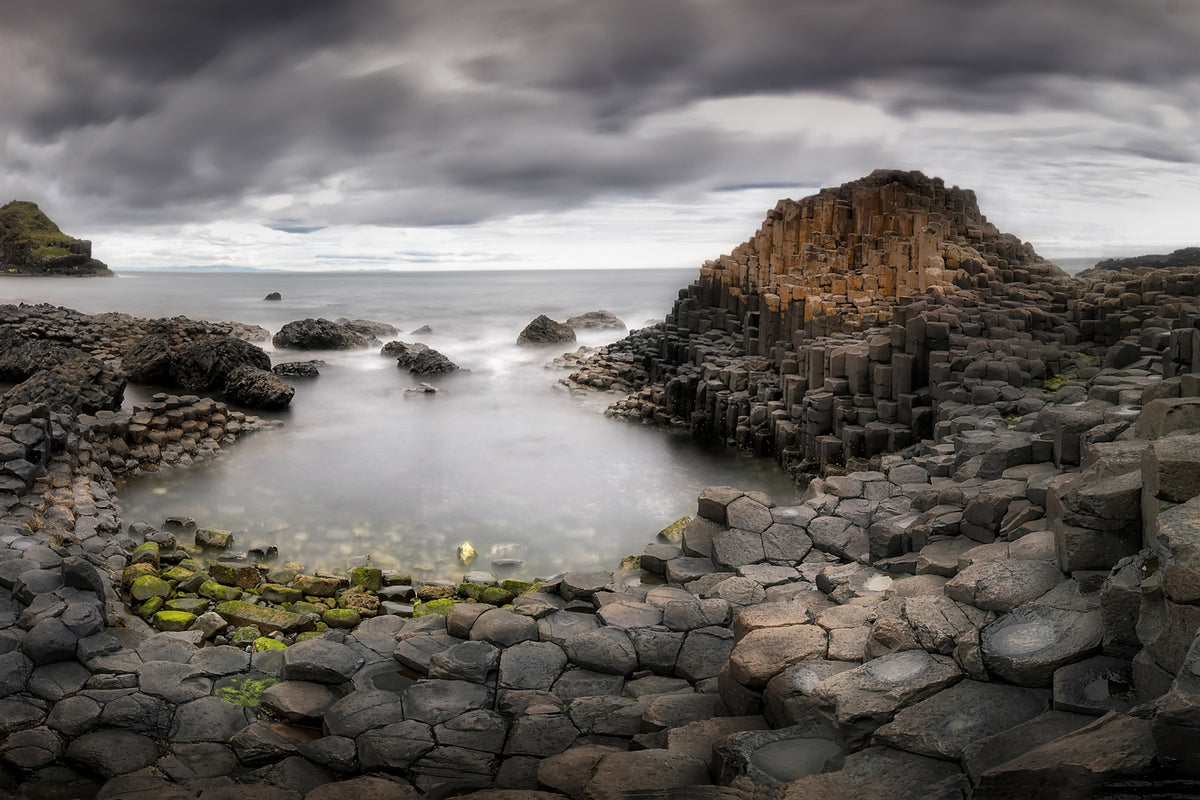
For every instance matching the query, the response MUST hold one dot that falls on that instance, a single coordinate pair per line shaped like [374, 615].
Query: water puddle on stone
[1023, 638]
[899, 668]
[790, 759]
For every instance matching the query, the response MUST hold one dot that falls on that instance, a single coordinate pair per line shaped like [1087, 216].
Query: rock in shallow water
[543, 330]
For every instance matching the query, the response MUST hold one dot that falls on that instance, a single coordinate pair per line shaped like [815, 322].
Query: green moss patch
[244, 690]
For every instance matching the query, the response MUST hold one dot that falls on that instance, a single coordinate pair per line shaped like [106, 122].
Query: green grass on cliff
[27, 235]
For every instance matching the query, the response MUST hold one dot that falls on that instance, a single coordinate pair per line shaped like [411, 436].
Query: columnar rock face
[832, 334]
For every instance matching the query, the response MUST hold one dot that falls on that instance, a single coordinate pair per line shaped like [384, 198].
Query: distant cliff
[1184, 257]
[31, 244]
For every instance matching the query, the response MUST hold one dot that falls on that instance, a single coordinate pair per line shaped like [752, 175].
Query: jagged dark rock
[257, 388]
[148, 360]
[596, 319]
[419, 359]
[318, 334]
[543, 330]
[205, 364]
[273, 296]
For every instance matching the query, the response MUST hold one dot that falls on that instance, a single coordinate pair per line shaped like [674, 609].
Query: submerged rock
[318, 334]
[544, 330]
[420, 359]
[596, 319]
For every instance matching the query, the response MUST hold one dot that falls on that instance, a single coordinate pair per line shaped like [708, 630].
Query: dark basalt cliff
[31, 244]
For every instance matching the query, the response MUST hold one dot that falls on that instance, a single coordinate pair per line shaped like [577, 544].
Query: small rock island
[32, 245]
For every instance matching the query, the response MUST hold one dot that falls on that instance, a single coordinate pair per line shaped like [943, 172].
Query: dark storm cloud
[452, 112]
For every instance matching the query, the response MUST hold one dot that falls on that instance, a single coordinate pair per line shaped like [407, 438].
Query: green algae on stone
[223, 574]
[518, 587]
[173, 620]
[150, 607]
[341, 618]
[268, 620]
[145, 553]
[316, 586]
[264, 643]
[397, 579]
[190, 605]
[441, 605]
[148, 586]
[213, 539]
[631, 562]
[304, 637]
[246, 634]
[304, 607]
[274, 593]
[135, 571]
[673, 533]
[367, 579]
[176, 574]
[244, 690]
[215, 591]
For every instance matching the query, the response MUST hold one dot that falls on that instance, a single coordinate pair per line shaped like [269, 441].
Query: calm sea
[501, 457]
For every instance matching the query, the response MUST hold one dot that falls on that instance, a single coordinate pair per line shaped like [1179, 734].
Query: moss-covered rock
[190, 605]
[222, 594]
[397, 579]
[518, 587]
[148, 586]
[268, 620]
[135, 571]
[364, 604]
[213, 539]
[305, 607]
[441, 605]
[145, 553]
[316, 586]
[246, 634]
[264, 643]
[173, 620]
[341, 618]
[274, 593]
[366, 579]
[244, 690]
[435, 591]
[224, 574]
[304, 637]
[176, 574]
[673, 533]
[149, 608]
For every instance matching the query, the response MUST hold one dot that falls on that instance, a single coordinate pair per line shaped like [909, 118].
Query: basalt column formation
[832, 333]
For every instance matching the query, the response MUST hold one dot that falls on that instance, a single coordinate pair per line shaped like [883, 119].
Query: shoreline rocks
[318, 334]
[545, 331]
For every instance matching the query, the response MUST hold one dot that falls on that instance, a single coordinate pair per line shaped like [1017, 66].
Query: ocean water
[501, 457]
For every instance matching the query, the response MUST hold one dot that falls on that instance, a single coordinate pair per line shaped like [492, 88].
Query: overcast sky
[319, 134]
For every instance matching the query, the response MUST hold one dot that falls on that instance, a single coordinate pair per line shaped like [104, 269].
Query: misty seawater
[500, 457]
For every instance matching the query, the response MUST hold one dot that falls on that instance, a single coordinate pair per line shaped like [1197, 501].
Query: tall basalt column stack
[834, 332]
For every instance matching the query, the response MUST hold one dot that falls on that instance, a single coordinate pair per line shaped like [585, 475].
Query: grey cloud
[434, 113]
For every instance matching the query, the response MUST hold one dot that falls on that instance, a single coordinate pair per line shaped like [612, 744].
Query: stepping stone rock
[113, 752]
[364, 787]
[74, 716]
[788, 700]
[1028, 644]
[630, 615]
[31, 749]
[469, 661]
[567, 772]
[481, 730]
[884, 772]
[868, 696]
[1002, 585]
[394, 747]
[704, 652]
[176, 683]
[320, 660]
[436, 701]
[300, 702]
[531, 665]
[941, 726]
[748, 515]
[1095, 686]
[582, 585]
[586, 683]
[562, 625]
[503, 628]
[361, 711]
[762, 654]
[983, 754]
[209, 719]
[642, 771]
[603, 650]
[541, 735]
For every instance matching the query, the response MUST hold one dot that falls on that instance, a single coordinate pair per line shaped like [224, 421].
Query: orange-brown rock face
[854, 251]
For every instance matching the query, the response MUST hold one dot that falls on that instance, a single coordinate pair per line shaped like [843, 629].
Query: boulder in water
[273, 296]
[424, 330]
[596, 319]
[148, 360]
[368, 327]
[318, 334]
[204, 365]
[544, 330]
[257, 388]
[420, 359]
[298, 369]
